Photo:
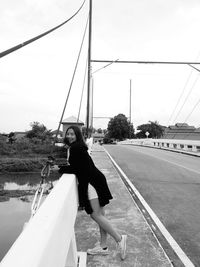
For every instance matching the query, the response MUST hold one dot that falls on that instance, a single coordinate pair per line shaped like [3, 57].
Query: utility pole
[92, 101]
[130, 109]
[89, 70]
[130, 101]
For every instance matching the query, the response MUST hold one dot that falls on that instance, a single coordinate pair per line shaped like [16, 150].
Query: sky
[34, 80]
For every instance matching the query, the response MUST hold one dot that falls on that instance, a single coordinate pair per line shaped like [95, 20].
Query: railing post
[194, 148]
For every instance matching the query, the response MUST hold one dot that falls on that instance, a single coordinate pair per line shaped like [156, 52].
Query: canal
[16, 195]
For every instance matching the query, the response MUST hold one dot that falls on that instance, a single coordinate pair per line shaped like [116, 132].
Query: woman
[93, 190]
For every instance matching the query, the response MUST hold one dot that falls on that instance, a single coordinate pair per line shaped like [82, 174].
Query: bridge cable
[50, 161]
[194, 67]
[183, 92]
[105, 66]
[14, 48]
[66, 101]
[184, 88]
[194, 105]
[185, 101]
[197, 103]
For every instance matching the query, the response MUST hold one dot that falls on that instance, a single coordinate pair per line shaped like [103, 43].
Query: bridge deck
[142, 247]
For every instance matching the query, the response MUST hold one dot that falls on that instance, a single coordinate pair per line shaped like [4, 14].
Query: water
[14, 212]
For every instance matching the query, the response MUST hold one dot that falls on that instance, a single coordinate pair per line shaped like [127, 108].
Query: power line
[14, 48]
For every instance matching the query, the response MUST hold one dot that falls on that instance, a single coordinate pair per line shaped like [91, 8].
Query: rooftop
[72, 119]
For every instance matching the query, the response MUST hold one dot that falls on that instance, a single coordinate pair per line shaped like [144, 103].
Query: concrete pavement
[143, 248]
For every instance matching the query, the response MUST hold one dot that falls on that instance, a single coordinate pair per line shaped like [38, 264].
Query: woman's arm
[66, 169]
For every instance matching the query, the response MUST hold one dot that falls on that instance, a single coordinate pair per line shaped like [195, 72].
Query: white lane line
[176, 164]
[177, 249]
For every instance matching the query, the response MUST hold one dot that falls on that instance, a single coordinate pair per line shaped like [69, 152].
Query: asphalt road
[170, 184]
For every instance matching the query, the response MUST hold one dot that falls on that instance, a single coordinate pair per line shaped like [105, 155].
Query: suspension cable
[187, 97]
[50, 162]
[197, 103]
[194, 67]
[105, 66]
[184, 88]
[184, 103]
[14, 48]
[55, 139]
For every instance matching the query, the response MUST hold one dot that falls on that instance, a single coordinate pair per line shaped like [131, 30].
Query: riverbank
[21, 164]
[23, 185]
[25, 156]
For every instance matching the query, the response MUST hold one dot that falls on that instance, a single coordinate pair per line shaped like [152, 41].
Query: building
[98, 137]
[60, 134]
[70, 122]
[181, 131]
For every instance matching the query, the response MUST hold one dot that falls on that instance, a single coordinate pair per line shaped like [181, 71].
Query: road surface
[170, 184]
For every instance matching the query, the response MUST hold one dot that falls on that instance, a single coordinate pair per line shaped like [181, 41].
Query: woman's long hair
[79, 136]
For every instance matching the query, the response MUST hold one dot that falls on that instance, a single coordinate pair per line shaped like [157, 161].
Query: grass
[25, 156]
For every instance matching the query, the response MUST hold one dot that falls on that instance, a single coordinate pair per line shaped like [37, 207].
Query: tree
[11, 137]
[99, 130]
[104, 131]
[90, 131]
[154, 129]
[120, 128]
[39, 133]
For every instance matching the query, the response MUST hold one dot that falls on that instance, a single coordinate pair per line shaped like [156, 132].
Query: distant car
[110, 141]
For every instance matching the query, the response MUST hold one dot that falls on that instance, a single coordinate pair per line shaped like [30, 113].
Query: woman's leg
[103, 233]
[101, 220]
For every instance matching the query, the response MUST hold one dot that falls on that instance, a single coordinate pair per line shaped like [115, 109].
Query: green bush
[6, 149]
[26, 156]
[24, 148]
[21, 165]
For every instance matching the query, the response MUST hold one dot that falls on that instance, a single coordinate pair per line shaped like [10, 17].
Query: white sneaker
[98, 251]
[122, 247]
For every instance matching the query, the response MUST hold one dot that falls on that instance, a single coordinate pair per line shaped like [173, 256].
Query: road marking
[176, 164]
[177, 249]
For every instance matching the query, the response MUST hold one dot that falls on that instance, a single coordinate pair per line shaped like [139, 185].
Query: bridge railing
[185, 145]
[48, 240]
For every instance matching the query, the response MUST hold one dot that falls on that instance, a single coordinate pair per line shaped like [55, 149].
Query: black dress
[82, 165]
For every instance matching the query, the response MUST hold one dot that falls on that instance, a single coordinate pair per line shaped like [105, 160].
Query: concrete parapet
[190, 146]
